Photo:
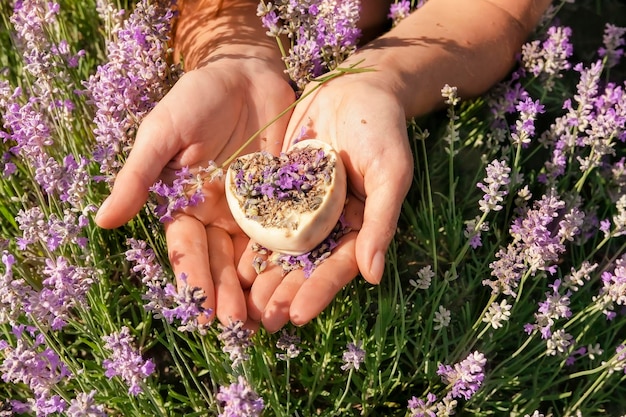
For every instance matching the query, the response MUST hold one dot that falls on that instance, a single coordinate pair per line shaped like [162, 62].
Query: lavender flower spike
[466, 377]
[494, 186]
[126, 361]
[239, 400]
[353, 356]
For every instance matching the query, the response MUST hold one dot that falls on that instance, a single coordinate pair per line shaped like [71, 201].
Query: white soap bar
[284, 205]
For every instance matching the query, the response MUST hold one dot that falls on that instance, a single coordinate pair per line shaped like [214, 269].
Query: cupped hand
[366, 124]
[208, 114]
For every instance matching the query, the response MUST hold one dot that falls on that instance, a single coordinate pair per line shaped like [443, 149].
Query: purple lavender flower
[126, 361]
[186, 306]
[322, 33]
[465, 377]
[524, 128]
[185, 190]
[289, 343]
[84, 405]
[494, 186]
[37, 366]
[64, 287]
[399, 10]
[132, 81]
[550, 57]
[554, 307]
[613, 291]
[353, 356]
[236, 341]
[420, 408]
[613, 42]
[239, 400]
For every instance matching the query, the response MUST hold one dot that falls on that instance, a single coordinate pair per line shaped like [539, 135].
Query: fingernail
[378, 266]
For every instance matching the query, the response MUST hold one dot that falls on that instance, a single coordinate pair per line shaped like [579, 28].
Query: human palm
[366, 125]
[207, 116]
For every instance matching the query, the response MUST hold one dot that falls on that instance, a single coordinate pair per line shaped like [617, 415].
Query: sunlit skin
[235, 84]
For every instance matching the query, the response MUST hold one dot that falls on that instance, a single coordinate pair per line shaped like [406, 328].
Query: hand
[366, 124]
[207, 115]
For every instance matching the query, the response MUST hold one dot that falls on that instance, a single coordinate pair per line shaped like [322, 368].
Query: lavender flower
[613, 291]
[554, 307]
[187, 307]
[550, 57]
[524, 128]
[399, 10]
[613, 42]
[185, 190]
[236, 341]
[465, 377]
[420, 408]
[559, 342]
[497, 178]
[64, 288]
[289, 343]
[473, 230]
[424, 278]
[239, 400]
[84, 405]
[128, 86]
[442, 318]
[126, 361]
[353, 356]
[37, 366]
[497, 314]
[322, 33]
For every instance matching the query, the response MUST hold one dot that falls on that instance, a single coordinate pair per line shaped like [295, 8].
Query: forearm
[208, 30]
[467, 44]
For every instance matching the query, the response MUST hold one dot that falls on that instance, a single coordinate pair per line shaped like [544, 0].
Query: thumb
[386, 183]
[154, 147]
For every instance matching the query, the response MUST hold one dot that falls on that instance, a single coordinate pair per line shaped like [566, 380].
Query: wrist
[207, 31]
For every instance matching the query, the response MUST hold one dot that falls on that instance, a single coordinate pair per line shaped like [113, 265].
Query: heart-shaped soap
[290, 203]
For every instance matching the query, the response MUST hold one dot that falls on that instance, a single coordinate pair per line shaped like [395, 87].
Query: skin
[235, 84]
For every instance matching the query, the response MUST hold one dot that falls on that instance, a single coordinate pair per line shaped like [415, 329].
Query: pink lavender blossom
[125, 361]
[613, 41]
[465, 377]
[239, 400]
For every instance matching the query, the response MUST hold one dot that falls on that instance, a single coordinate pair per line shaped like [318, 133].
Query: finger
[229, 298]
[245, 267]
[317, 292]
[262, 290]
[154, 147]
[188, 254]
[386, 182]
[276, 312]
